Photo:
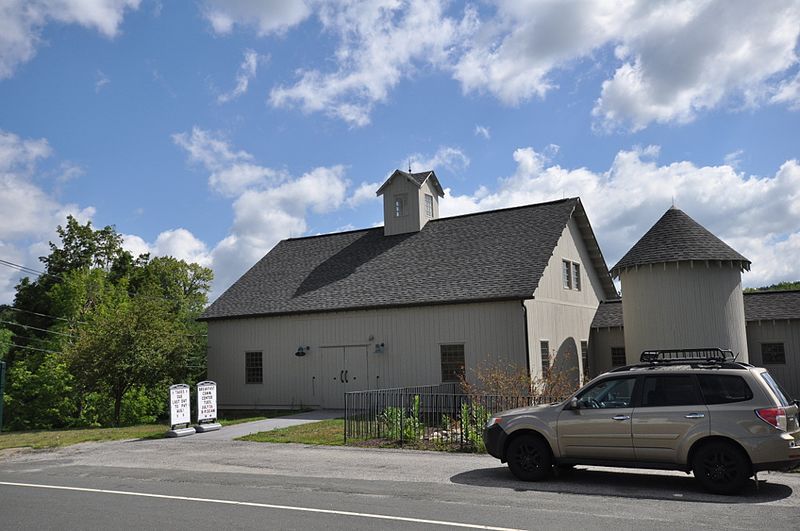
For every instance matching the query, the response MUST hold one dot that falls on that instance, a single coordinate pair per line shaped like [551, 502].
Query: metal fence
[438, 416]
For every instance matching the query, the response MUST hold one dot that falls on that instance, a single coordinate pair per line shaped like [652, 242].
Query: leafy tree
[128, 343]
[780, 286]
[39, 393]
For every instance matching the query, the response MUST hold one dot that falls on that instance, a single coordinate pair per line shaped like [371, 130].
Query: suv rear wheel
[529, 458]
[721, 467]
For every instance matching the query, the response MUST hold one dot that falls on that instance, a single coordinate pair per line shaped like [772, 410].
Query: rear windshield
[724, 389]
[782, 397]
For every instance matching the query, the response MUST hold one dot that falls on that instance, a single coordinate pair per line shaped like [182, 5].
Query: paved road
[196, 482]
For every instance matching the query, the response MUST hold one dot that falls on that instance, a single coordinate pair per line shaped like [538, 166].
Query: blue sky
[211, 130]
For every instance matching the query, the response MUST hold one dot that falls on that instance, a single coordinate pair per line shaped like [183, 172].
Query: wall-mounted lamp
[379, 348]
[302, 351]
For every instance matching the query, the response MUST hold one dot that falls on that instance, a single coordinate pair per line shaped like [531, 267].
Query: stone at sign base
[202, 428]
[180, 432]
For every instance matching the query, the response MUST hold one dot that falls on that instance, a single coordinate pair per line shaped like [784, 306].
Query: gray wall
[411, 356]
[601, 340]
[415, 217]
[683, 305]
[786, 332]
[562, 316]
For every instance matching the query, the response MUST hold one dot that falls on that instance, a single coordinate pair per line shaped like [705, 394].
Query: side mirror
[574, 404]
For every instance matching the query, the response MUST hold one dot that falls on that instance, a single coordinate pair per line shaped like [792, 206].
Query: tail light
[774, 416]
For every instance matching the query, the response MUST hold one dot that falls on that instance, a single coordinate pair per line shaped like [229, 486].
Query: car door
[671, 415]
[600, 428]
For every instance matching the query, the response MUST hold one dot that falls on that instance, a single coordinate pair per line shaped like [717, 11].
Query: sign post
[179, 411]
[207, 407]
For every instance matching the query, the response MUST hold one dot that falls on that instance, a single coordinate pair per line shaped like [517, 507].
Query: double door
[342, 369]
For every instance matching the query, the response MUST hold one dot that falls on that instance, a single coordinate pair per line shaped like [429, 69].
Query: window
[606, 394]
[452, 362]
[723, 389]
[773, 354]
[253, 368]
[617, 356]
[585, 357]
[664, 391]
[576, 276]
[544, 349]
[571, 275]
[400, 205]
[429, 206]
[776, 388]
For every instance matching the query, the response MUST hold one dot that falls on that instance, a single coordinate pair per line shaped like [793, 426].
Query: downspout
[527, 339]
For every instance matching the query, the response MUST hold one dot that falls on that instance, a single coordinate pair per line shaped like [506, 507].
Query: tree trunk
[117, 407]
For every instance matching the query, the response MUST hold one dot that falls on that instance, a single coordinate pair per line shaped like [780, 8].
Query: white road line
[263, 505]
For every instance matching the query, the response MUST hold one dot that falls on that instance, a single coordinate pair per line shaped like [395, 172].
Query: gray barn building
[422, 300]
[416, 302]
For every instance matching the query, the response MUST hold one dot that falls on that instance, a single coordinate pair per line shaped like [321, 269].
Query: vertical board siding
[411, 337]
[669, 306]
[600, 344]
[409, 222]
[563, 316]
[786, 332]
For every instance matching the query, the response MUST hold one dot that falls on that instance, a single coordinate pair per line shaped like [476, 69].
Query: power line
[35, 328]
[45, 315]
[24, 269]
[34, 348]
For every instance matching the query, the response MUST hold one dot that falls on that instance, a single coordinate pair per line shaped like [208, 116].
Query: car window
[607, 394]
[663, 391]
[723, 389]
[783, 398]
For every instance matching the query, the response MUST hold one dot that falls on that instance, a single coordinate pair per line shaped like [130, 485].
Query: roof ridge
[330, 234]
[506, 209]
[771, 291]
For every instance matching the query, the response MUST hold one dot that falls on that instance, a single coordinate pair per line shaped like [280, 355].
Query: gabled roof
[496, 255]
[418, 179]
[758, 306]
[676, 238]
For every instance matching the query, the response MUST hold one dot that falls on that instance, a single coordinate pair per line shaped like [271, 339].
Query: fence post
[402, 417]
[2, 390]
[346, 416]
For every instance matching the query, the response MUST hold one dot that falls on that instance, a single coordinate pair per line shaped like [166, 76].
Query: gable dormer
[410, 200]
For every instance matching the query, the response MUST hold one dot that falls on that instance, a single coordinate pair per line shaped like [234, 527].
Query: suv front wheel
[721, 467]
[529, 458]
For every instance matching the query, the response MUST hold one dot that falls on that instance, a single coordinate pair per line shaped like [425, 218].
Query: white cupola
[410, 200]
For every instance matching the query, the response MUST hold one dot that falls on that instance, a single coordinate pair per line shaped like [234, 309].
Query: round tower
[682, 288]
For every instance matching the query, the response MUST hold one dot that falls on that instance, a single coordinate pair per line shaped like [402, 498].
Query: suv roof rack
[708, 355]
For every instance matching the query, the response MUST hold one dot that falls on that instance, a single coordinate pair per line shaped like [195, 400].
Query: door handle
[345, 377]
[341, 376]
[621, 417]
[695, 416]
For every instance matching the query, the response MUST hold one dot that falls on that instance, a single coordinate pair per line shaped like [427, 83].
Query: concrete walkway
[228, 433]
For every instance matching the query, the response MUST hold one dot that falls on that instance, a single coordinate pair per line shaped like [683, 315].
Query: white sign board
[206, 401]
[179, 412]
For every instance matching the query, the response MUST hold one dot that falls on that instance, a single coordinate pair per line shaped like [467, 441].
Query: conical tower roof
[678, 238]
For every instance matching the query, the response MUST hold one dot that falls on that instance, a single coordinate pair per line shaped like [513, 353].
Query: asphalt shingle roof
[769, 305]
[674, 238]
[758, 306]
[417, 178]
[488, 256]
[608, 315]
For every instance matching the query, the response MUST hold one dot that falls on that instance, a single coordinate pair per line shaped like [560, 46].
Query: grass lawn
[325, 432]
[53, 438]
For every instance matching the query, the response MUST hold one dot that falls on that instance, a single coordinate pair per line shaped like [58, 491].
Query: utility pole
[2, 390]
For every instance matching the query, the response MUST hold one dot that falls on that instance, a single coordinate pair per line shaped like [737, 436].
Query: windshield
[782, 396]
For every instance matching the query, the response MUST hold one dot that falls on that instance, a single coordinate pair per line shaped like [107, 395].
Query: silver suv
[695, 410]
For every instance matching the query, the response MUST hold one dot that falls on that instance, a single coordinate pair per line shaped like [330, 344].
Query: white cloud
[267, 16]
[758, 215]
[246, 73]
[671, 59]
[100, 81]
[379, 43]
[179, 243]
[30, 214]
[696, 55]
[268, 205]
[446, 157]
[364, 194]
[21, 23]
[483, 131]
